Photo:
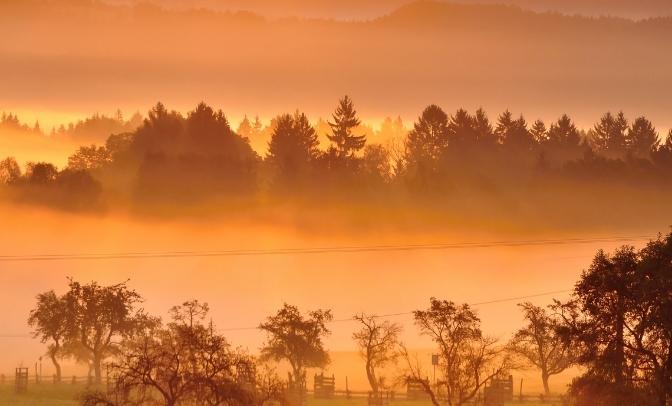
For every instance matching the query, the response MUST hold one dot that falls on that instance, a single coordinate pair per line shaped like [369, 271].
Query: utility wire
[315, 250]
[510, 299]
[378, 316]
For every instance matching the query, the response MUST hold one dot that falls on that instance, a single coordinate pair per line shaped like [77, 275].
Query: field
[67, 394]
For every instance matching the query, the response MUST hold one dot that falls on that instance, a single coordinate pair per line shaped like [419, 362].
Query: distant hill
[365, 9]
[85, 57]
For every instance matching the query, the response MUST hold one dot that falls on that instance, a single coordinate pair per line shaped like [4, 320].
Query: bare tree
[377, 342]
[49, 322]
[297, 339]
[468, 359]
[185, 362]
[540, 345]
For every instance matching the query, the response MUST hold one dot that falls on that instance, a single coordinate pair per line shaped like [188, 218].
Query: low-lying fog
[243, 290]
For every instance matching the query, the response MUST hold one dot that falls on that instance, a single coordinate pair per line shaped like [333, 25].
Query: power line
[378, 316]
[510, 299]
[316, 250]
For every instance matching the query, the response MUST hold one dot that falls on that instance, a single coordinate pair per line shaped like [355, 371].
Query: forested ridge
[171, 158]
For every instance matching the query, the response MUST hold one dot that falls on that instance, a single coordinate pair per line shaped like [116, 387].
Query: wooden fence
[23, 382]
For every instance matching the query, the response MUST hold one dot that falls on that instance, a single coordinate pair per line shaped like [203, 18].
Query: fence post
[74, 380]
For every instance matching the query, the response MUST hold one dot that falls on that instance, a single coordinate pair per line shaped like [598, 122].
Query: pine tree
[293, 145]
[504, 125]
[563, 134]
[345, 120]
[513, 133]
[257, 127]
[539, 132]
[245, 128]
[461, 130]
[642, 138]
[428, 140]
[609, 134]
[483, 129]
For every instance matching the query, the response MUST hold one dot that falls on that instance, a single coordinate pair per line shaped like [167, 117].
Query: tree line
[172, 157]
[617, 325]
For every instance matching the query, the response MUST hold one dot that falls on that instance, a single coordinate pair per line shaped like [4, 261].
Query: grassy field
[67, 394]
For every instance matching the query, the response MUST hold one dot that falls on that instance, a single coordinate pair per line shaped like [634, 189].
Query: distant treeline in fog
[178, 159]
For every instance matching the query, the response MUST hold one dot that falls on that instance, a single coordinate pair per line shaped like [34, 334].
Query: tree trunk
[371, 376]
[544, 378]
[620, 350]
[97, 369]
[57, 366]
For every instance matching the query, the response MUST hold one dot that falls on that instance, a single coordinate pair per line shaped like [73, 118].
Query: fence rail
[388, 396]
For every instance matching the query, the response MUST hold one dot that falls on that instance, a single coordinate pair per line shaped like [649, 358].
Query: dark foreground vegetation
[617, 326]
[506, 166]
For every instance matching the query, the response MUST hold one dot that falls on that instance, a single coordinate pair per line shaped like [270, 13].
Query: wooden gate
[324, 386]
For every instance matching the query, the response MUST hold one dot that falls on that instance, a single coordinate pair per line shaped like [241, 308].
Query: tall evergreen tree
[428, 140]
[245, 128]
[539, 132]
[293, 145]
[642, 138]
[344, 121]
[563, 134]
[461, 130]
[517, 136]
[483, 129]
[609, 134]
[505, 123]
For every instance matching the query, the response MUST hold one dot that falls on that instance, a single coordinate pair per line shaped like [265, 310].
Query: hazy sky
[64, 61]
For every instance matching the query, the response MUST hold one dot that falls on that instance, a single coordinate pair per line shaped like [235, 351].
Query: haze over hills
[366, 9]
[83, 57]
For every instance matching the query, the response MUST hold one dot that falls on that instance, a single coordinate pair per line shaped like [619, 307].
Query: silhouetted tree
[540, 345]
[468, 359]
[461, 131]
[100, 316]
[245, 128]
[427, 142]
[484, 132]
[662, 155]
[505, 124]
[377, 342]
[41, 173]
[564, 140]
[620, 322]
[642, 138]
[297, 339]
[88, 158]
[376, 164]
[49, 322]
[184, 362]
[10, 171]
[539, 132]
[513, 134]
[344, 121]
[293, 148]
[609, 135]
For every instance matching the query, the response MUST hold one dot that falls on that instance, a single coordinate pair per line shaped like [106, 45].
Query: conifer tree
[642, 138]
[344, 121]
[245, 128]
[539, 132]
[609, 134]
[483, 129]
